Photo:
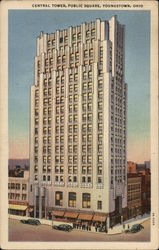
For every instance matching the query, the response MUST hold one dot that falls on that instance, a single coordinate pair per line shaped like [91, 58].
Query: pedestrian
[96, 228]
[128, 226]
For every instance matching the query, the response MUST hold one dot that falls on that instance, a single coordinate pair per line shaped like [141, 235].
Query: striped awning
[71, 215]
[101, 218]
[17, 207]
[85, 217]
[58, 213]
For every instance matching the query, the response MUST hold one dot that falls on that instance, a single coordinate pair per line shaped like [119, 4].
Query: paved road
[23, 232]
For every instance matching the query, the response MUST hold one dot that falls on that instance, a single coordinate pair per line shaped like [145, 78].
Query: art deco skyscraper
[78, 123]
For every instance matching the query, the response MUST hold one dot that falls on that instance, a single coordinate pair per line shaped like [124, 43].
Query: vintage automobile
[63, 227]
[135, 228]
[31, 222]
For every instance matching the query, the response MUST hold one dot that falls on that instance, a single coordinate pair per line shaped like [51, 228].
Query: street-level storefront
[15, 209]
[81, 220]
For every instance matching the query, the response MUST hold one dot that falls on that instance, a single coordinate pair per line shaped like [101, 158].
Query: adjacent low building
[146, 192]
[134, 199]
[18, 192]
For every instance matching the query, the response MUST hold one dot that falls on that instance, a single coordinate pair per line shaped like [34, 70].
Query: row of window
[132, 187]
[17, 186]
[134, 196]
[72, 198]
[13, 196]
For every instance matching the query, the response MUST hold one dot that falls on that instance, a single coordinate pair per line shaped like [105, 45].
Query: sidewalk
[119, 227]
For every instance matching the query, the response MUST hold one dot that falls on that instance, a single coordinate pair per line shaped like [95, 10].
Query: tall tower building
[78, 124]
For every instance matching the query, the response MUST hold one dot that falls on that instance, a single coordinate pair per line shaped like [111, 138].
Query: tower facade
[78, 121]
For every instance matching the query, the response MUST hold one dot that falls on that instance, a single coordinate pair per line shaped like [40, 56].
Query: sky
[23, 28]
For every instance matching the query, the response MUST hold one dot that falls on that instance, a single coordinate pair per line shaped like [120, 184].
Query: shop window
[58, 198]
[72, 199]
[86, 200]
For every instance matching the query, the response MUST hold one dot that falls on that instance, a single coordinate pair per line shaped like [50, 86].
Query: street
[24, 232]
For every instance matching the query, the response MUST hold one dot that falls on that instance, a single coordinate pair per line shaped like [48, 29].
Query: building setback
[78, 122]
[134, 202]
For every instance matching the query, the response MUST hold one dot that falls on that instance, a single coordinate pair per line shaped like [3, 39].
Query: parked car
[31, 222]
[136, 228]
[127, 231]
[63, 227]
[102, 229]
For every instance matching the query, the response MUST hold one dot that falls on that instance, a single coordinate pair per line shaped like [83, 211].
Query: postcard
[79, 125]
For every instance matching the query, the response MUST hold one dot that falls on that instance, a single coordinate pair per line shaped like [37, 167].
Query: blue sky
[24, 27]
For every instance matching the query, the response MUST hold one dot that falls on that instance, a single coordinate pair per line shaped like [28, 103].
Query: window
[89, 127]
[24, 186]
[83, 138]
[89, 170]
[75, 97]
[99, 205]
[99, 159]
[75, 87]
[84, 117]
[75, 158]
[100, 125]
[75, 118]
[89, 106]
[17, 186]
[89, 137]
[70, 149]
[84, 107]
[69, 177]
[75, 128]
[75, 107]
[72, 199]
[86, 200]
[84, 86]
[58, 198]
[70, 108]
[83, 178]
[89, 158]
[99, 179]
[24, 196]
[84, 97]
[71, 88]
[89, 96]
[74, 178]
[61, 178]
[90, 117]
[70, 118]
[89, 179]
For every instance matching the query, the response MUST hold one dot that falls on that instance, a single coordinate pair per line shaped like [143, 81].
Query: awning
[58, 213]
[71, 215]
[17, 207]
[85, 216]
[99, 218]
